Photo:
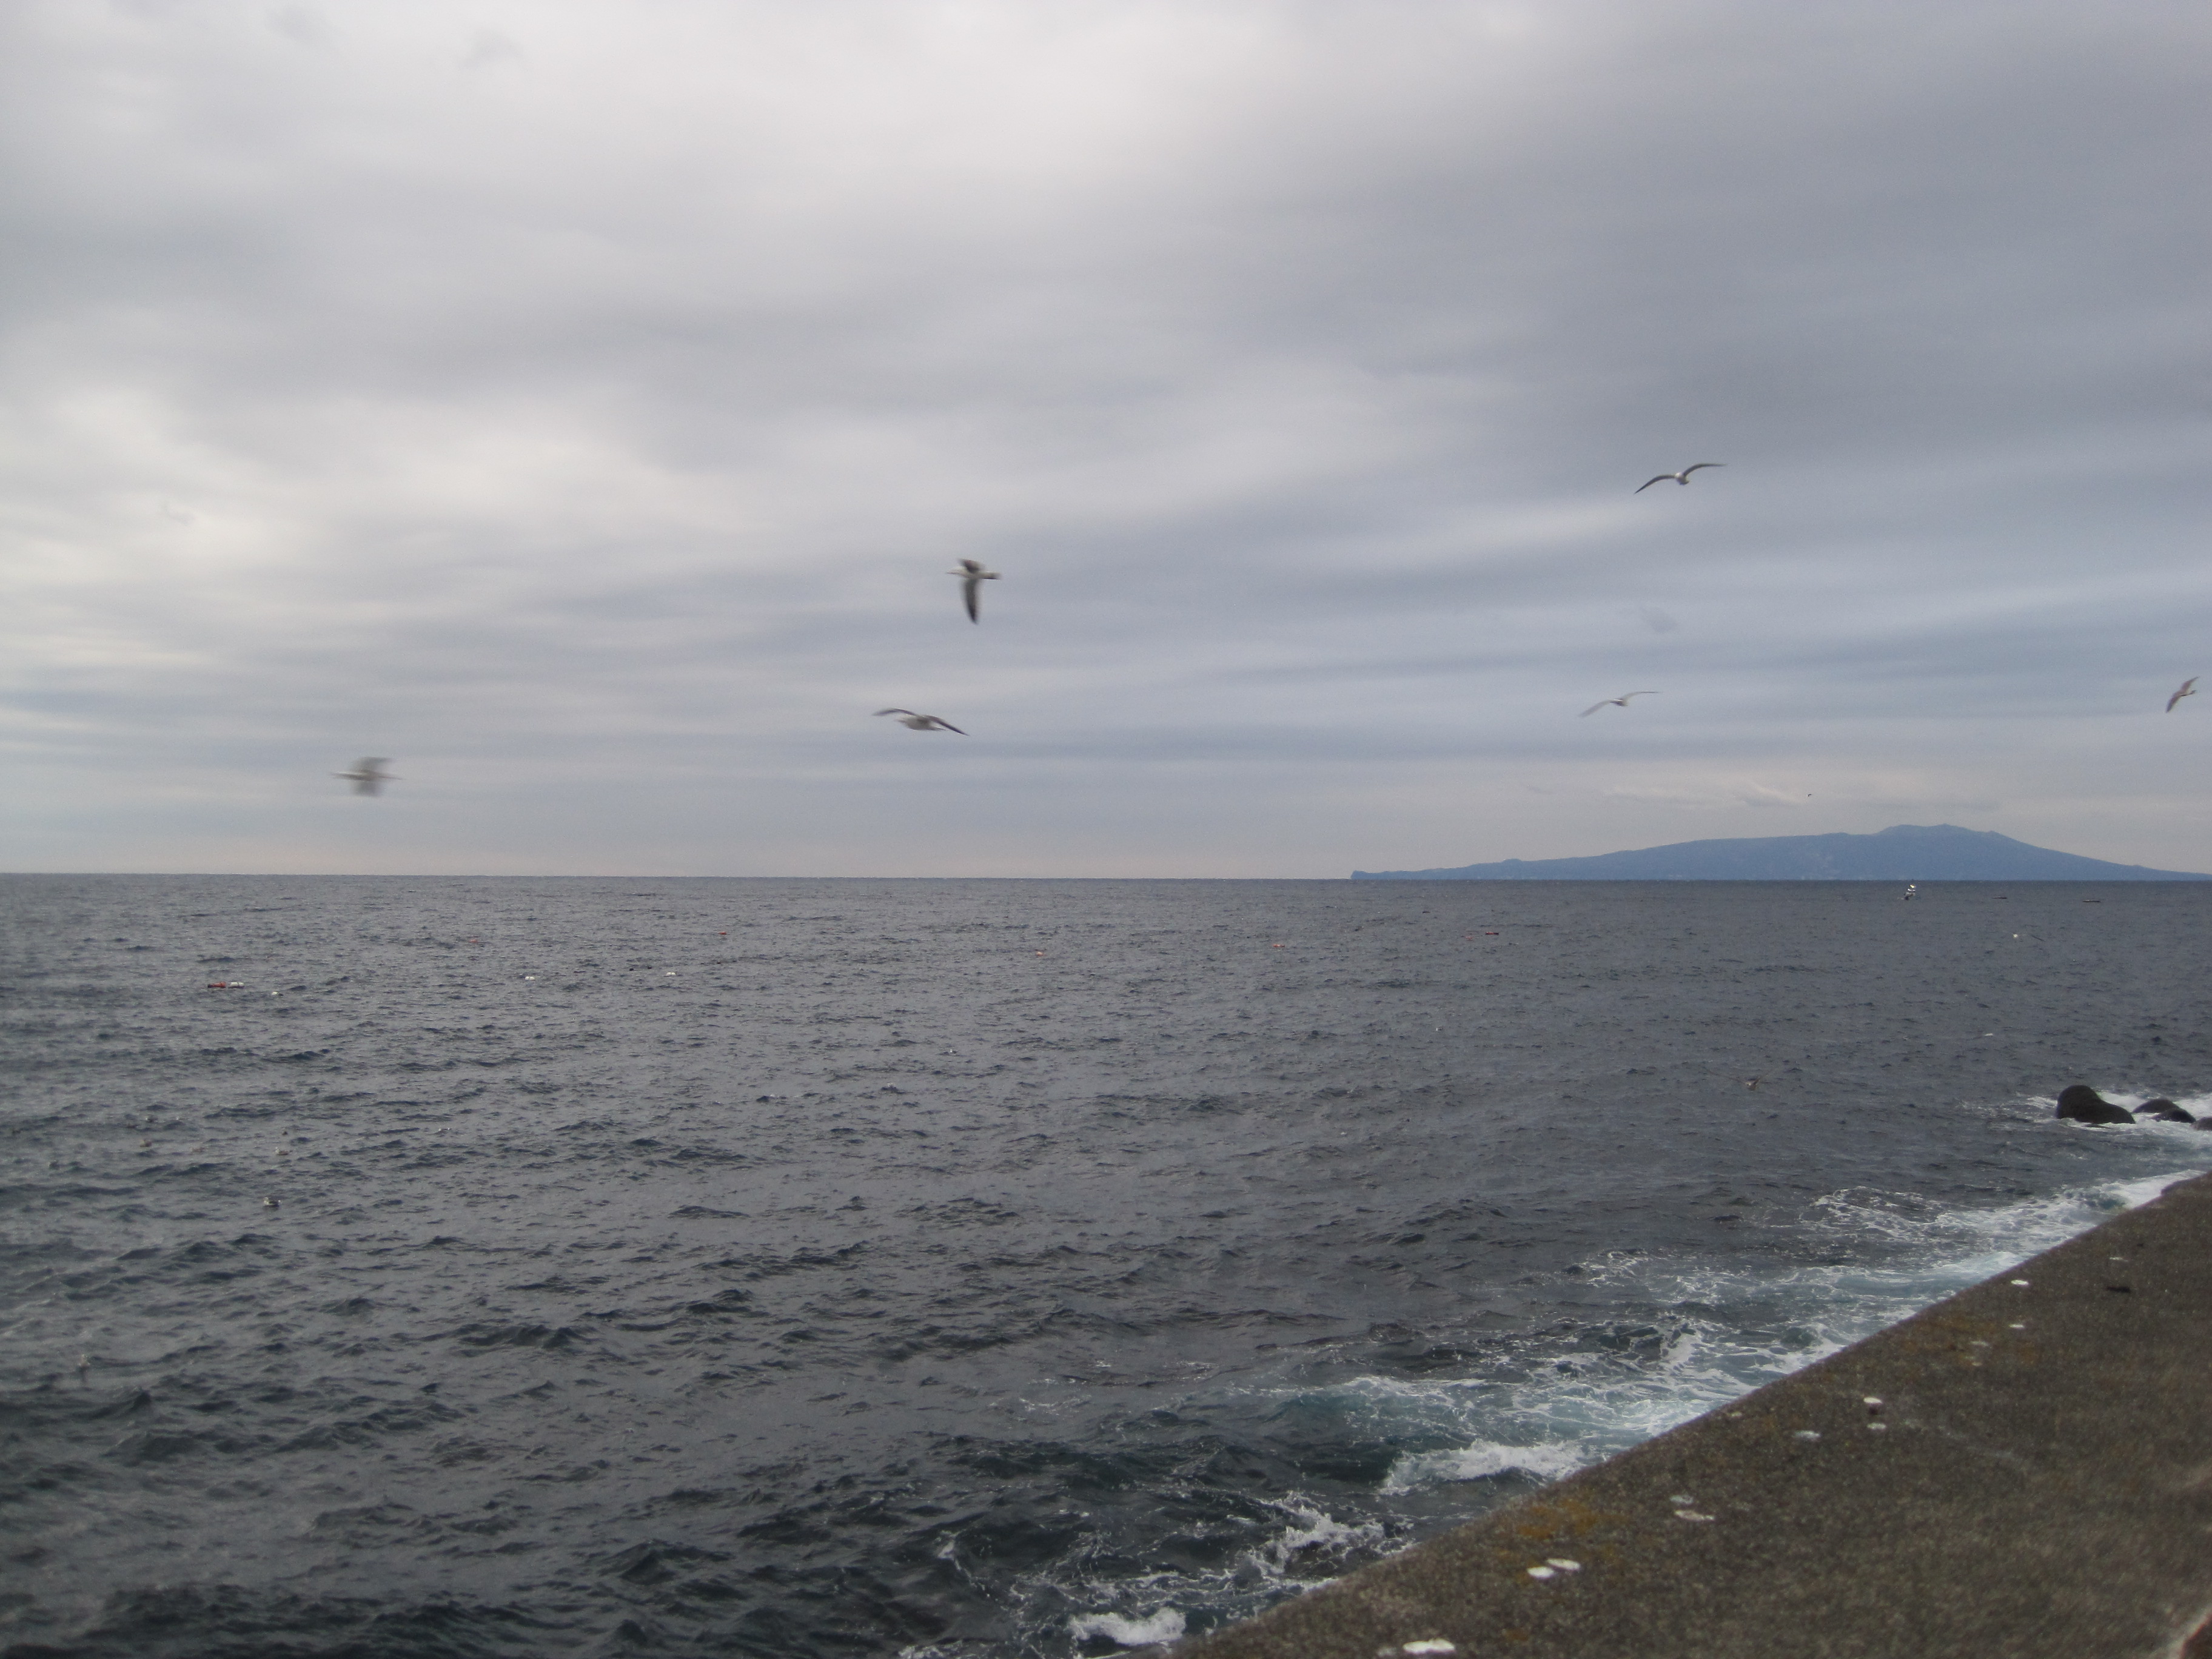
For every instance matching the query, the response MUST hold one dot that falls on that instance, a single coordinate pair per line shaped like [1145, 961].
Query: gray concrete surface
[2035, 1483]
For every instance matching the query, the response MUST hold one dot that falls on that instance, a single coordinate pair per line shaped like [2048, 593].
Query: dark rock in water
[2164, 1111]
[2083, 1104]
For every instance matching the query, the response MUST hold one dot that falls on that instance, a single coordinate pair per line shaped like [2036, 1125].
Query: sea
[423, 1268]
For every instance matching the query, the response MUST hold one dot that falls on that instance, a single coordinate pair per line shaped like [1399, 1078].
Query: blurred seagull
[920, 722]
[972, 577]
[1911, 888]
[1681, 477]
[1615, 702]
[368, 775]
[2188, 689]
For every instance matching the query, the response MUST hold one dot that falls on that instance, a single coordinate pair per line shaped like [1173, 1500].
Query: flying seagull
[1681, 477]
[972, 577]
[1615, 702]
[368, 776]
[920, 722]
[2188, 689]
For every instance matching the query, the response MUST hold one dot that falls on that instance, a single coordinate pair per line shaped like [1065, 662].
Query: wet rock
[2164, 1111]
[2085, 1105]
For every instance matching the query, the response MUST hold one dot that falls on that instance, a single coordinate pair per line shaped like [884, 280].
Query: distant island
[1904, 852]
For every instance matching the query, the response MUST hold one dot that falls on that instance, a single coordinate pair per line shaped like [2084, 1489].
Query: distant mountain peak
[1904, 852]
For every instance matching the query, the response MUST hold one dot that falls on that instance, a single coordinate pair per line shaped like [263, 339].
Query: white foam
[1959, 1248]
[1311, 1528]
[1684, 1339]
[1481, 1460]
[1164, 1625]
[1712, 1334]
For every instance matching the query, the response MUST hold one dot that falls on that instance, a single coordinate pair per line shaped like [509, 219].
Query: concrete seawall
[2023, 1470]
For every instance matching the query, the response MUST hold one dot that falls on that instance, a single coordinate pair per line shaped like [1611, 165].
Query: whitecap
[1710, 1334]
[1313, 1530]
[1481, 1460]
[1164, 1625]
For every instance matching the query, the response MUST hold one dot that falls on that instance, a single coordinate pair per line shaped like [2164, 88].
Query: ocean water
[966, 1268]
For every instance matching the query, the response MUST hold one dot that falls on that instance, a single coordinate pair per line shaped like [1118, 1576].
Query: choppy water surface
[966, 1268]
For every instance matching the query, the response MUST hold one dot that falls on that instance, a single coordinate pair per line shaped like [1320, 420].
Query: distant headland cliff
[1904, 852]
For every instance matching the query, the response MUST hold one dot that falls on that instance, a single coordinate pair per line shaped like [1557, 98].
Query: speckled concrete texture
[2024, 1470]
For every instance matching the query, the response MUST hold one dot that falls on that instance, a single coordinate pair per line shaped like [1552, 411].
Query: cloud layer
[582, 404]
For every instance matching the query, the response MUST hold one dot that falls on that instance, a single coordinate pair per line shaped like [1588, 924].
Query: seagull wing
[1594, 708]
[971, 590]
[894, 711]
[948, 726]
[2185, 691]
[1699, 467]
[1648, 482]
[1624, 702]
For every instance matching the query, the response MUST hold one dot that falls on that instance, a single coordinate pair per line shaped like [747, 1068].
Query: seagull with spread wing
[2188, 689]
[1615, 702]
[368, 776]
[1681, 477]
[972, 577]
[920, 722]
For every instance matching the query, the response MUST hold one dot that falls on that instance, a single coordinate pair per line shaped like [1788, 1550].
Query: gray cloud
[583, 406]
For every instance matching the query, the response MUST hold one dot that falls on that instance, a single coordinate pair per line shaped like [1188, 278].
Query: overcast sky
[580, 404]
